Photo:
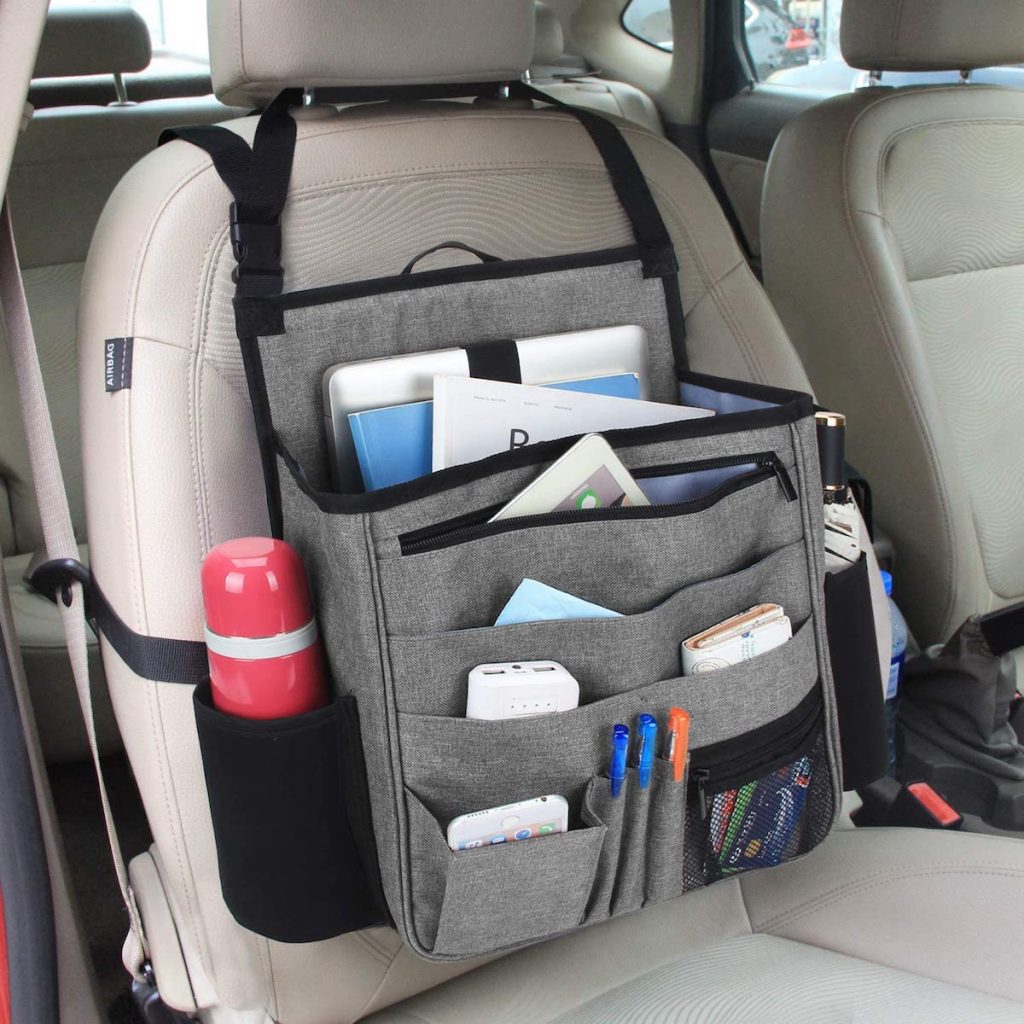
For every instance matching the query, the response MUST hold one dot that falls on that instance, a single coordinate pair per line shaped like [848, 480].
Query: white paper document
[474, 418]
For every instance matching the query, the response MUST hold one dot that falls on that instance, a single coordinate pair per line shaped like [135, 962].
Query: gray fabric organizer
[405, 605]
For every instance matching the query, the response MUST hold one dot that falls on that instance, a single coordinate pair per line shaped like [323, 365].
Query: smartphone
[756, 631]
[589, 475]
[527, 819]
[752, 618]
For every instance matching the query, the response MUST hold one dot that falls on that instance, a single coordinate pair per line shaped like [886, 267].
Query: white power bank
[520, 690]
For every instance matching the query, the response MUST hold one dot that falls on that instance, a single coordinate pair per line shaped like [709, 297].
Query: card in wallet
[762, 818]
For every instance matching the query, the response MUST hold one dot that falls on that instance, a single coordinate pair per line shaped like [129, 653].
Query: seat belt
[55, 516]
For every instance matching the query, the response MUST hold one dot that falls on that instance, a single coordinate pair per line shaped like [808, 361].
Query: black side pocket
[764, 797]
[853, 646]
[281, 797]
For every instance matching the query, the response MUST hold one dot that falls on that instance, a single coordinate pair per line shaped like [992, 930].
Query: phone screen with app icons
[545, 828]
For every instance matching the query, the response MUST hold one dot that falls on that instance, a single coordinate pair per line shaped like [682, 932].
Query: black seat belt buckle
[56, 576]
[914, 805]
[1003, 629]
[257, 250]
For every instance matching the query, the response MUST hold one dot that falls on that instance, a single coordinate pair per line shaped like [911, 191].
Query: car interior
[837, 179]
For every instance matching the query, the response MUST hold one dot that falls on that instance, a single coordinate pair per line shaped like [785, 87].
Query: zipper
[763, 460]
[763, 759]
[475, 525]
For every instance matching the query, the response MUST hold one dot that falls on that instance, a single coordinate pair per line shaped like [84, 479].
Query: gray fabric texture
[666, 834]
[399, 323]
[501, 483]
[606, 656]
[628, 852]
[425, 769]
[629, 564]
[460, 764]
[498, 896]
[628, 894]
[402, 631]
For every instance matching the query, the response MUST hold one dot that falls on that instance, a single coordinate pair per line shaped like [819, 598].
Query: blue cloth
[535, 602]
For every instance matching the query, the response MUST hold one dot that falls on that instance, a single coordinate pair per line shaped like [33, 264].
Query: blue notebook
[393, 445]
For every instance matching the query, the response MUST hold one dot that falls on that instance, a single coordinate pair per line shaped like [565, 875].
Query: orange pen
[678, 741]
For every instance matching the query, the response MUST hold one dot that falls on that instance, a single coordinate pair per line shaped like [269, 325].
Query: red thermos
[265, 655]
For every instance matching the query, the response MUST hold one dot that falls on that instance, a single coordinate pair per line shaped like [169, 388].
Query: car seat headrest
[92, 41]
[931, 35]
[548, 41]
[259, 47]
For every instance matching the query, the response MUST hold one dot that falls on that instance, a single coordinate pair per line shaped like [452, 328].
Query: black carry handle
[484, 257]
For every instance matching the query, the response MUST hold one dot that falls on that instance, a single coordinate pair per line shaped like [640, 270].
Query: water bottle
[266, 660]
[898, 654]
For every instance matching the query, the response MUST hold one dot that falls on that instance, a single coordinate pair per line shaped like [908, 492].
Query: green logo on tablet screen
[588, 498]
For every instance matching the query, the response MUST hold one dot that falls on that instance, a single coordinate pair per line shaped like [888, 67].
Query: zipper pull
[782, 475]
[702, 775]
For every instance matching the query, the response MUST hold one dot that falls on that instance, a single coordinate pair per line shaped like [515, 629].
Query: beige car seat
[550, 73]
[66, 164]
[893, 249]
[172, 468]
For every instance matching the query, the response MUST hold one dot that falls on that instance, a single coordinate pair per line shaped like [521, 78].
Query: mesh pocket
[769, 819]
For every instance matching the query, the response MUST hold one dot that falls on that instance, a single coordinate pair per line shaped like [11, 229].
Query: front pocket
[765, 797]
[460, 764]
[606, 656]
[479, 901]
[628, 560]
[642, 857]
[477, 525]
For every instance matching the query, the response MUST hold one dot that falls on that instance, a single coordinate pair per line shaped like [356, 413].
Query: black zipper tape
[475, 525]
[733, 762]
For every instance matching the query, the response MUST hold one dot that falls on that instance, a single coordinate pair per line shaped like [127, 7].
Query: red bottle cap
[255, 587]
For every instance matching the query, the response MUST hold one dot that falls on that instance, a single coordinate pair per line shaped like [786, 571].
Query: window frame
[635, 35]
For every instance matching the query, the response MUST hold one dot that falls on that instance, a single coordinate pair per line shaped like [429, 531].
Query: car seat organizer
[333, 820]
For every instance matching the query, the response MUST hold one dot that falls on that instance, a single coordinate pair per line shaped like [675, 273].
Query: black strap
[495, 360]
[257, 178]
[657, 254]
[151, 657]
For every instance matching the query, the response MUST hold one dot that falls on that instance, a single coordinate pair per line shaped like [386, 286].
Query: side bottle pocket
[280, 792]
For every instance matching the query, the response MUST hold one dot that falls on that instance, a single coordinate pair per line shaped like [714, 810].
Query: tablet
[397, 380]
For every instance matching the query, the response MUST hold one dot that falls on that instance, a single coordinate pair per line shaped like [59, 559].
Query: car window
[785, 35]
[796, 43]
[651, 21]
[177, 28]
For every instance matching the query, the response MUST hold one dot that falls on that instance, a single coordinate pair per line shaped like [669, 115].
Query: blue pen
[620, 753]
[647, 729]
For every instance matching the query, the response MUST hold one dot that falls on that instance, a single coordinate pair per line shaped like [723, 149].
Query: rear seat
[550, 69]
[65, 167]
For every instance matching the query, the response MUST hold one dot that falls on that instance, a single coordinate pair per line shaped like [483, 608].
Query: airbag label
[117, 363]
